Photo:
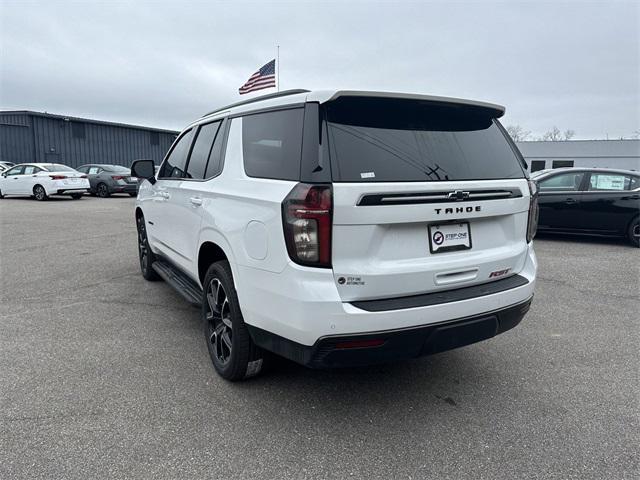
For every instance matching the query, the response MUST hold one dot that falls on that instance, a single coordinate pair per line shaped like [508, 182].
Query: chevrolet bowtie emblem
[458, 195]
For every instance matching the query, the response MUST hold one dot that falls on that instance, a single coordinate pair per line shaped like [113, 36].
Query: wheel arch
[208, 253]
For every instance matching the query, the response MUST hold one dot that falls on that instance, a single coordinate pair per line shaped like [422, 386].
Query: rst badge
[449, 237]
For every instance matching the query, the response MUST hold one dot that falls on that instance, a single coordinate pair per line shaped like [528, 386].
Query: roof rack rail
[284, 93]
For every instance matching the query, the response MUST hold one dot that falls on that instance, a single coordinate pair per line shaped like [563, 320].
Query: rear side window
[272, 144]
[398, 140]
[202, 150]
[173, 166]
[612, 182]
[561, 183]
[214, 167]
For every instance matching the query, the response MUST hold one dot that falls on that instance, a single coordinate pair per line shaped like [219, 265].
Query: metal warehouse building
[582, 153]
[43, 137]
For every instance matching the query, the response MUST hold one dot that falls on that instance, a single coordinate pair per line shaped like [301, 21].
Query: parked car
[108, 179]
[590, 201]
[3, 168]
[342, 228]
[42, 180]
[6, 165]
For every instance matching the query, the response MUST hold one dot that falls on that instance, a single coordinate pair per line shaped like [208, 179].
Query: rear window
[58, 167]
[392, 140]
[117, 168]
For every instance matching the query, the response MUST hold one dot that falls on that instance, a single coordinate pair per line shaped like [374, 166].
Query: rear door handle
[195, 201]
[570, 201]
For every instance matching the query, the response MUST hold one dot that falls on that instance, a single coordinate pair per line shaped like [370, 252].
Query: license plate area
[449, 237]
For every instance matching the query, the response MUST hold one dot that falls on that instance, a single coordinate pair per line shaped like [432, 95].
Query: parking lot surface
[105, 375]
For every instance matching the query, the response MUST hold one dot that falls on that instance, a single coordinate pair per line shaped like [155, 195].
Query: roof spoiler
[495, 111]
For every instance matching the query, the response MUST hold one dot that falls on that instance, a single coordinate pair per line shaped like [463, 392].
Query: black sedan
[590, 201]
[108, 179]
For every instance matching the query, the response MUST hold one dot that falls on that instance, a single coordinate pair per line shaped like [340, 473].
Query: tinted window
[612, 181]
[16, 170]
[272, 144]
[390, 140]
[202, 150]
[537, 165]
[173, 166]
[562, 163]
[562, 183]
[214, 167]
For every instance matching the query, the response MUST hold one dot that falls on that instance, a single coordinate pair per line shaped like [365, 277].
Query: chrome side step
[179, 281]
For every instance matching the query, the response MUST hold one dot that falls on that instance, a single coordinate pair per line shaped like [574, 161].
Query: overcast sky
[570, 64]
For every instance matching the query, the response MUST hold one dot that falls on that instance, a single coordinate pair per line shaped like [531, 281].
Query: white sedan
[41, 180]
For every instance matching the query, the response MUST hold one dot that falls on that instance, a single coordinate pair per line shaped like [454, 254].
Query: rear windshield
[391, 140]
[116, 168]
[58, 167]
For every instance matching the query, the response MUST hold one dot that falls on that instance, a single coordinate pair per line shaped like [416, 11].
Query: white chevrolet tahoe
[341, 228]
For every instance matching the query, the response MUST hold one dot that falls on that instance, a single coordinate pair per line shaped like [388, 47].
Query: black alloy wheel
[233, 353]
[219, 321]
[145, 254]
[102, 190]
[634, 232]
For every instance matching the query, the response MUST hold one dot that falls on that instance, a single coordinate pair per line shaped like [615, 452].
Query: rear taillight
[117, 177]
[532, 223]
[58, 177]
[307, 216]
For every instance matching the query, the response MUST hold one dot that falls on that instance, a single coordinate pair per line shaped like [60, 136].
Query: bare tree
[555, 135]
[517, 133]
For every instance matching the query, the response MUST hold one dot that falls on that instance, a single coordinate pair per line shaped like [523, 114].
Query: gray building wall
[623, 154]
[38, 137]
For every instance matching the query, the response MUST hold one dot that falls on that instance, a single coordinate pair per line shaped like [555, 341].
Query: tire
[40, 193]
[633, 232]
[76, 196]
[1, 195]
[233, 353]
[102, 190]
[133, 194]
[145, 255]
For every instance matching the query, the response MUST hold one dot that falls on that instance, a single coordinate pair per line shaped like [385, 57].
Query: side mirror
[144, 169]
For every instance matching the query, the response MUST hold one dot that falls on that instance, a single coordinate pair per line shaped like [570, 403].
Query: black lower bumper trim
[398, 344]
[436, 298]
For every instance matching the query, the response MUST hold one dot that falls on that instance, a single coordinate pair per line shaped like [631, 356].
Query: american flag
[263, 78]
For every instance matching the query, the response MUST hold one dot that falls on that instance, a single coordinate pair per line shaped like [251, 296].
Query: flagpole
[278, 68]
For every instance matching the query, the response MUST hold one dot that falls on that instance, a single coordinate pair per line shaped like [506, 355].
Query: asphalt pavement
[106, 375]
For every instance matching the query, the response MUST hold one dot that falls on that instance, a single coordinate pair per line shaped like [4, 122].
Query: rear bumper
[128, 188]
[393, 345]
[304, 304]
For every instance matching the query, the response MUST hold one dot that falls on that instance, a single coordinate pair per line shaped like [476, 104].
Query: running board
[179, 281]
